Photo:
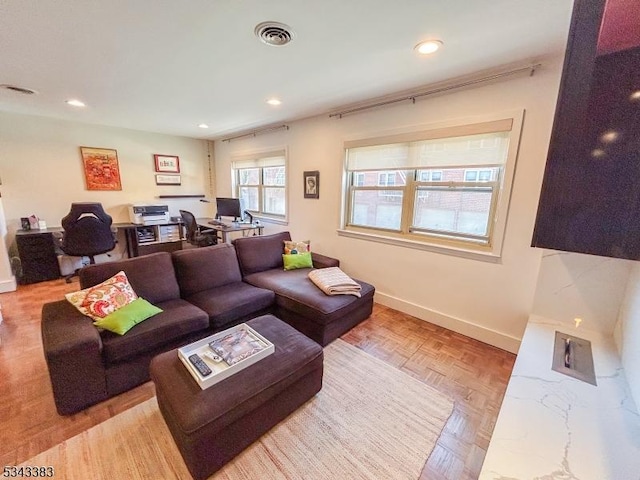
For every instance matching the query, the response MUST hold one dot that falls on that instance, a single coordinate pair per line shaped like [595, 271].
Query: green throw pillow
[298, 260]
[125, 318]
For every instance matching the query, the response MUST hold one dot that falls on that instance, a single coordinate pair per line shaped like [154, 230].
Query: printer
[148, 214]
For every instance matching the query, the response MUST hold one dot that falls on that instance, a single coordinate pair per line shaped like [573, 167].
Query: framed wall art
[167, 163]
[312, 184]
[101, 169]
[168, 180]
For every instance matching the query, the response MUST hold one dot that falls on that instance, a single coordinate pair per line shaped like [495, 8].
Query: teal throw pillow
[125, 318]
[298, 260]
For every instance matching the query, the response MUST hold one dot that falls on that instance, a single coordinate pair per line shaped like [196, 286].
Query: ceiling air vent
[13, 88]
[274, 33]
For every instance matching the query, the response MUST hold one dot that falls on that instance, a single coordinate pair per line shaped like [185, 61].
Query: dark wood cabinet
[590, 199]
[38, 258]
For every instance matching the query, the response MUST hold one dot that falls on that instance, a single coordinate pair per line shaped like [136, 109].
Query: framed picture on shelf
[312, 184]
[167, 163]
[168, 180]
[101, 169]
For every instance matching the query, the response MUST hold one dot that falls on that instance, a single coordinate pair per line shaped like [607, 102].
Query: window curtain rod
[255, 132]
[531, 69]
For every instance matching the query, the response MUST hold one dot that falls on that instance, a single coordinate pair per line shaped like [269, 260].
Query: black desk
[38, 250]
[225, 228]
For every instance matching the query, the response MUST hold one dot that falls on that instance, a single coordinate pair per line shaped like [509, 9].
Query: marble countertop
[552, 426]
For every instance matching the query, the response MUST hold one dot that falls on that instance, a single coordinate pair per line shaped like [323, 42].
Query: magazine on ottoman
[225, 353]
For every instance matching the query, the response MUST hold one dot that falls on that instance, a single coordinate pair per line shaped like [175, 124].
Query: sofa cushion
[260, 253]
[232, 302]
[200, 269]
[125, 318]
[151, 276]
[295, 292]
[177, 319]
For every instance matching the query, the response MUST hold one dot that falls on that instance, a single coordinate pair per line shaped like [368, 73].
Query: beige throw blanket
[334, 281]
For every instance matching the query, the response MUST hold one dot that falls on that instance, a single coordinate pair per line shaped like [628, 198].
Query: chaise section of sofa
[298, 301]
[87, 366]
[210, 278]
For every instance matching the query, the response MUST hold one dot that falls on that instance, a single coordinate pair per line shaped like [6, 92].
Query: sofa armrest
[73, 351]
[323, 261]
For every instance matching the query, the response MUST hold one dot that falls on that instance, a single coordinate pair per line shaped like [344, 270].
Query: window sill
[275, 221]
[485, 256]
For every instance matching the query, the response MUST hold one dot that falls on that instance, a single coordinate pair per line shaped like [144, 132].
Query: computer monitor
[228, 207]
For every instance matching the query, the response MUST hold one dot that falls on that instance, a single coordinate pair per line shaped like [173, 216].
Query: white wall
[489, 301]
[627, 332]
[7, 279]
[589, 287]
[42, 172]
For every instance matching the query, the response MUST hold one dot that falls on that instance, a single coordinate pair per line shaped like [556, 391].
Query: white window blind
[269, 159]
[432, 149]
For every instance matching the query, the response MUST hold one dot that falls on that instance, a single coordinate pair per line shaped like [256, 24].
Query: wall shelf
[181, 196]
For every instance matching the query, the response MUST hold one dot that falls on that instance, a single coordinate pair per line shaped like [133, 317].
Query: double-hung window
[447, 187]
[260, 182]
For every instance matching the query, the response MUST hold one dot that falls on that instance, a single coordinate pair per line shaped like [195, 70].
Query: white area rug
[369, 421]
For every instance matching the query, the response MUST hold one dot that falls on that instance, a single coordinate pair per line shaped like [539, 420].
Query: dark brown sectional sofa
[201, 291]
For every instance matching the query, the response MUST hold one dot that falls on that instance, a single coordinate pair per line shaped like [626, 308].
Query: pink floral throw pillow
[100, 300]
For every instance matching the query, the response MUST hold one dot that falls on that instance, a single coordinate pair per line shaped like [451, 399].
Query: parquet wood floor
[472, 373]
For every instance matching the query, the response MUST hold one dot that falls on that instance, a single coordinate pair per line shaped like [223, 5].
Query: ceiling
[166, 66]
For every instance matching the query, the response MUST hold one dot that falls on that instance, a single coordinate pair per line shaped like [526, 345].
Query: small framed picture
[312, 184]
[167, 163]
[168, 180]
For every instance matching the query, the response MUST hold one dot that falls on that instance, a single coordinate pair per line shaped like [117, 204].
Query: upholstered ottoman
[213, 425]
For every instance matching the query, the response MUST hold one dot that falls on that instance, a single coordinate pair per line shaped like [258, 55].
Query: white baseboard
[483, 334]
[8, 285]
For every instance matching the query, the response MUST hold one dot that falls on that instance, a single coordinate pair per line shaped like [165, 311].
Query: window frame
[460, 186]
[409, 194]
[257, 161]
[419, 238]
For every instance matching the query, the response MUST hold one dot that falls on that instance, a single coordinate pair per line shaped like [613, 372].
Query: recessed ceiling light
[203, 125]
[610, 136]
[274, 101]
[635, 96]
[598, 153]
[428, 47]
[75, 103]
